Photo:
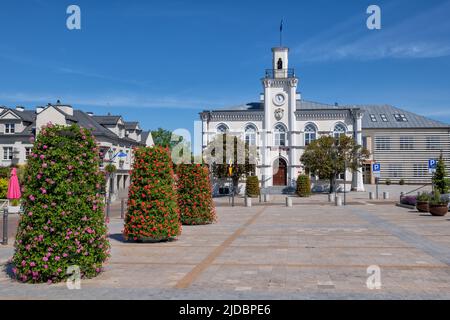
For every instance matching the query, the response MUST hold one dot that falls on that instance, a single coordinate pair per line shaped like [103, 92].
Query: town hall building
[282, 124]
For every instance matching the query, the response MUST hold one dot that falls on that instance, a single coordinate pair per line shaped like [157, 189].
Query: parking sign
[432, 164]
[376, 169]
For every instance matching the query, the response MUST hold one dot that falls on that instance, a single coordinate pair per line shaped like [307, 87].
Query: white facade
[284, 124]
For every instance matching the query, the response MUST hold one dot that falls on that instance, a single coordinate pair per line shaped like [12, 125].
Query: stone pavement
[312, 250]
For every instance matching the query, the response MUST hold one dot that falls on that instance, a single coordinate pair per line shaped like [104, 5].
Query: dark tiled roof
[107, 120]
[130, 125]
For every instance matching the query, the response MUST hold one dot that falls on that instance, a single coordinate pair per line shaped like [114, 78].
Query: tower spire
[281, 33]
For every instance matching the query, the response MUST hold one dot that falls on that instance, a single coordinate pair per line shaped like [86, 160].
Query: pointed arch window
[250, 135]
[280, 135]
[310, 134]
[339, 130]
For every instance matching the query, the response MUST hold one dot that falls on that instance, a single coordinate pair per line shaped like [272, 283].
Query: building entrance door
[280, 173]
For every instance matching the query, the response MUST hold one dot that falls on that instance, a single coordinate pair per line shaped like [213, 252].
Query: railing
[280, 73]
[402, 194]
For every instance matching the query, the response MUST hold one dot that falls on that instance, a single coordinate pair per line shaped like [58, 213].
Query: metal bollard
[385, 195]
[122, 208]
[266, 197]
[5, 227]
[338, 201]
[331, 197]
[288, 202]
[248, 202]
[370, 195]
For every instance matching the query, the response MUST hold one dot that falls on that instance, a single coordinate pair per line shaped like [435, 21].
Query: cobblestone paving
[310, 251]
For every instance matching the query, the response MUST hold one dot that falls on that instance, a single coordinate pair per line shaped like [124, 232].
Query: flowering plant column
[153, 213]
[63, 222]
[194, 194]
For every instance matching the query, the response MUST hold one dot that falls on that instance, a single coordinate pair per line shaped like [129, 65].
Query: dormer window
[10, 128]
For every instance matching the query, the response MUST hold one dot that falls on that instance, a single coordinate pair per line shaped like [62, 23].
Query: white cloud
[424, 35]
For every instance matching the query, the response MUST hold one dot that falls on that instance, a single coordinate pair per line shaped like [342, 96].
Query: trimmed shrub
[303, 186]
[194, 194]
[252, 187]
[63, 223]
[153, 212]
[439, 177]
[3, 188]
[401, 182]
[388, 182]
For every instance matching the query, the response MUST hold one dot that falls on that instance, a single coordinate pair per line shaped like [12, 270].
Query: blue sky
[161, 62]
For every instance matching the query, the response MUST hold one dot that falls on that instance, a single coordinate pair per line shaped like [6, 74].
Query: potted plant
[14, 206]
[401, 182]
[422, 204]
[388, 182]
[438, 205]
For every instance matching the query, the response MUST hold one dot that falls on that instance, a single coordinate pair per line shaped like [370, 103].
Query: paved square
[269, 251]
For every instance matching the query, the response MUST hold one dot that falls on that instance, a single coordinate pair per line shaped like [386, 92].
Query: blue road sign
[376, 169]
[432, 164]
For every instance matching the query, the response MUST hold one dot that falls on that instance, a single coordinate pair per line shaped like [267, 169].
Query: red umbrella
[13, 186]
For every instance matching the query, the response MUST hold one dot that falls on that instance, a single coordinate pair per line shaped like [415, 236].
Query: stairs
[278, 190]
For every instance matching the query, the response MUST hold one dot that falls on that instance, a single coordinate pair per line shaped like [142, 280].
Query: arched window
[222, 128]
[280, 64]
[310, 134]
[280, 135]
[250, 135]
[339, 130]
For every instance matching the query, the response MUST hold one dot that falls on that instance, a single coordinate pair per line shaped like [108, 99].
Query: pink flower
[65, 255]
[39, 176]
[32, 264]
[30, 213]
[42, 156]
[44, 165]
[31, 197]
[45, 259]
[45, 266]
[57, 258]
[45, 147]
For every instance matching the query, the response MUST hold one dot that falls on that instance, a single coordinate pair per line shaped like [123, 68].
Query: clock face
[279, 99]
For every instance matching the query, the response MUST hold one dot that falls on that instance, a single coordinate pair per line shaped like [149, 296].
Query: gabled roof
[130, 125]
[107, 120]
[26, 115]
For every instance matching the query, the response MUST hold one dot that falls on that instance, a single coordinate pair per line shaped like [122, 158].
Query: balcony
[279, 73]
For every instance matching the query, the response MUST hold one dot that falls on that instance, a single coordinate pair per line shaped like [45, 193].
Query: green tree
[228, 151]
[327, 157]
[63, 223]
[439, 177]
[163, 138]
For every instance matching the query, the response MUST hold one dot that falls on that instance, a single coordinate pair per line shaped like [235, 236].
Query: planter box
[422, 206]
[438, 209]
[13, 209]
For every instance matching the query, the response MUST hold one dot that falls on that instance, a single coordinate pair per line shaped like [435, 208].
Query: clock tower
[279, 163]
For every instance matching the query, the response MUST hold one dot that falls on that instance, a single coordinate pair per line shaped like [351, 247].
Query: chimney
[20, 108]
